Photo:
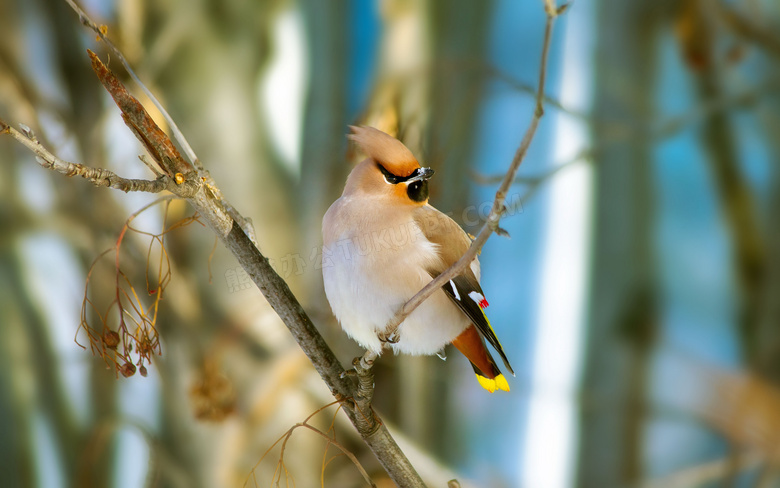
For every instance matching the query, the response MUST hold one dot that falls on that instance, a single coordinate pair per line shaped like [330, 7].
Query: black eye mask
[417, 189]
[419, 174]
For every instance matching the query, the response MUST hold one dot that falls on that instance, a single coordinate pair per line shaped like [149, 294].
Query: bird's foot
[392, 338]
[350, 373]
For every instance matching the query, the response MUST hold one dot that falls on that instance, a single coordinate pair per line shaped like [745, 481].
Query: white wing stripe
[455, 290]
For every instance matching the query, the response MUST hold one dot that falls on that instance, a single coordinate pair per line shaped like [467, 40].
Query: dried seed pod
[127, 370]
[110, 339]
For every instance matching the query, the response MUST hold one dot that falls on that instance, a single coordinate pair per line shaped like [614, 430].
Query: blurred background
[637, 297]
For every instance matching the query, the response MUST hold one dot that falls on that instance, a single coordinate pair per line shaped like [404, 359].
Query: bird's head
[391, 170]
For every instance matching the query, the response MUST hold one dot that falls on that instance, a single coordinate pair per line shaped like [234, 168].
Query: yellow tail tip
[497, 383]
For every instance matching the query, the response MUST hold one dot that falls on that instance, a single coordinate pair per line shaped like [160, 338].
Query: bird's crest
[385, 150]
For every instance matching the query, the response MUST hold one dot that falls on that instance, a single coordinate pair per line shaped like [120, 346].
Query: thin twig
[496, 211]
[140, 122]
[245, 223]
[331, 441]
[347, 452]
[521, 86]
[97, 176]
[662, 130]
[459, 66]
[101, 33]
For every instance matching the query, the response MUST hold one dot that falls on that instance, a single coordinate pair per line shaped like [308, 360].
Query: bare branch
[344, 450]
[488, 70]
[330, 439]
[203, 194]
[662, 130]
[140, 122]
[101, 33]
[521, 86]
[97, 176]
[496, 211]
[284, 303]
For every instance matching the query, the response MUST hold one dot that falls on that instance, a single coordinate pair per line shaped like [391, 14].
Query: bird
[383, 242]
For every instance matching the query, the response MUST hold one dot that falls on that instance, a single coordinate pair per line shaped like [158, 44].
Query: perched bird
[383, 243]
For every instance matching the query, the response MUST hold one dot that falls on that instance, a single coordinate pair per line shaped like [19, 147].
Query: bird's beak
[421, 174]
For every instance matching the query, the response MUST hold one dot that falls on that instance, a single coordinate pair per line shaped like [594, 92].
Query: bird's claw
[502, 232]
[348, 373]
[390, 339]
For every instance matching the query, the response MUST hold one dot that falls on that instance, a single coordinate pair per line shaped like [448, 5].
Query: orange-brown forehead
[401, 168]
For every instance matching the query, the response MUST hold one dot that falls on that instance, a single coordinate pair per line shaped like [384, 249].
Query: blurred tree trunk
[459, 33]
[769, 331]
[50, 389]
[324, 167]
[78, 81]
[93, 466]
[768, 334]
[17, 404]
[698, 25]
[218, 71]
[17, 364]
[622, 320]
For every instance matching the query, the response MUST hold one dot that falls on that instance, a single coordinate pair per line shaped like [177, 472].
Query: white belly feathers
[370, 275]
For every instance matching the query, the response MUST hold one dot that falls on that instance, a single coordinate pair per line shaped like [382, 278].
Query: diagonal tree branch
[138, 120]
[206, 178]
[197, 188]
[189, 181]
[101, 31]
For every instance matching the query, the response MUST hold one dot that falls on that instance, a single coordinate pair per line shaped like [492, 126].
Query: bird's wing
[468, 296]
[463, 290]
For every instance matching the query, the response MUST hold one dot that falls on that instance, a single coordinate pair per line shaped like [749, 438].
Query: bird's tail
[471, 345]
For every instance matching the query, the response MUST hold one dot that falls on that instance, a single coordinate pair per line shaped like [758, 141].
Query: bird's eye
[418, 191]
